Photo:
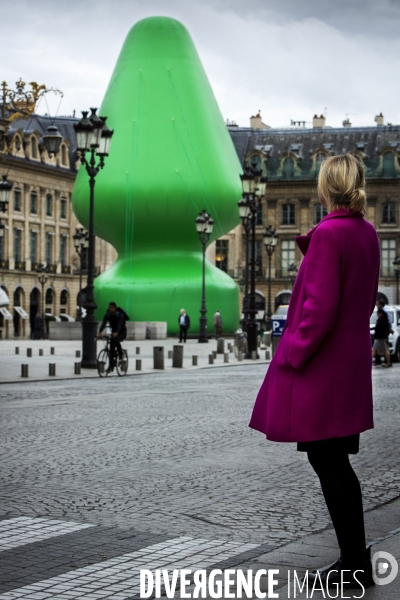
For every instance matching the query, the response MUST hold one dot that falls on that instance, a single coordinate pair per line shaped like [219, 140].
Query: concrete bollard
[220, 346]
[29, 352]
[16, 350]
[77, 353]
[214, 353]
[169, 353]
[24, 371]
[138, 364]
[52, 350]
[101, 367]
[137, 349]
[267, 338]
[235, 351]
[158, 357]
[77, 368]
[226, 357]
[240, 355]
[268, 354]
[177, 357]
[254, 355]
[52, 369]
[211, 359]
[40, 352]
[195, 360]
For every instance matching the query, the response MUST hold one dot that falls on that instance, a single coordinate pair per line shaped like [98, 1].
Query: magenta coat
[318, 384]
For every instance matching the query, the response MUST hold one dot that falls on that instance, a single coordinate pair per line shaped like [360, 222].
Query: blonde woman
[318, 390]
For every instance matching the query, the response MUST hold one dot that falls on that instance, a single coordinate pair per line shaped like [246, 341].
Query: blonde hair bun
[341, 182]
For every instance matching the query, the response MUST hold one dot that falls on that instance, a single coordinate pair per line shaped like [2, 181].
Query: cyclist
[116, 317]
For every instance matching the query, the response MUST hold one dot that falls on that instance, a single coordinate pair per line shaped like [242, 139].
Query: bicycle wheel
[122, 364]
[103, 362]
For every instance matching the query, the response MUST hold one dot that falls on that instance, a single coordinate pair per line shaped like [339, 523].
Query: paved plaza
[102, 477]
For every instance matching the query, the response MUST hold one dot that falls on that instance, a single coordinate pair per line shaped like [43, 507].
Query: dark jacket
[187, 321]
[117, 322]
[382, 329]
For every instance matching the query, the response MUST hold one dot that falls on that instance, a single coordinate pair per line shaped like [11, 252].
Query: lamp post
[246, 222]
[204, 227]
[92, 136]
[81, 243]
[270, 242]
[292, 270]
[42, 279]
[253, 185]
[396, 266]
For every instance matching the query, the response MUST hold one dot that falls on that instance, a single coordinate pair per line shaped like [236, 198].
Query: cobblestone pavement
[160, 458]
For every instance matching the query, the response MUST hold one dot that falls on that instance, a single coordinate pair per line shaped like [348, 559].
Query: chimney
[318, 121]
[379, 119]
[346, 123]
[256, 122]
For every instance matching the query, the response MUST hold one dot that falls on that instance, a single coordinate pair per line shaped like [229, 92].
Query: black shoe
[357, 567]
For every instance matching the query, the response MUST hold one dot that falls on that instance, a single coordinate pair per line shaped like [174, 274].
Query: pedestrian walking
[382, 331]
[38, 327]
[318, 390]
[218, 325]
[184, 325]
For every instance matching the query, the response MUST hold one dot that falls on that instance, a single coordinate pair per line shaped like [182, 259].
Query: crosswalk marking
[24, 530]
[118, 578]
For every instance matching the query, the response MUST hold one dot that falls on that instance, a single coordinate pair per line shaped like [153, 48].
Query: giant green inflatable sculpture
[171, 156]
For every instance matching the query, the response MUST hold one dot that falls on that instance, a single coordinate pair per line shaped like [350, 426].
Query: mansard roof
[302, 144]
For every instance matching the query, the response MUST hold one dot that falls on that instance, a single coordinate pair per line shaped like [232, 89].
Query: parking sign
[278, 323]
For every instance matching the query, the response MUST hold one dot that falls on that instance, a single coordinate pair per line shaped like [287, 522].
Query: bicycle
[105, 360]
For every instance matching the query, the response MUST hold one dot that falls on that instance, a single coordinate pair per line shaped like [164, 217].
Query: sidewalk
[65, 356]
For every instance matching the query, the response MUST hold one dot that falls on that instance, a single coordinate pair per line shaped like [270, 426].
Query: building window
[49, 205]
[388, 164]
[221, 254]
[17, 200]
[49, 296]
[288, 214]
[49, 248]
[255, 162]
[63, 208]
[34, 203]
[34, 148]
[33, 246]
[63, 250]
[319, 159]
[17, 245]
[17, 143]
[64, 298]
[2, 247]
[288, 168]
[259, 215]
[288, 255]
[388, 213]
[319, 213]
[64, 155]
[388, 254]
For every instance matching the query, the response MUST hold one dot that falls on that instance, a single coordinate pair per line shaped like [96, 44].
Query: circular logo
[384, 568]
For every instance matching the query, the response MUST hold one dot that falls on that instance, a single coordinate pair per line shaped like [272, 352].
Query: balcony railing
[35, 266]
[65, 269]
[4, 264]
[52, 268]
[19, 265]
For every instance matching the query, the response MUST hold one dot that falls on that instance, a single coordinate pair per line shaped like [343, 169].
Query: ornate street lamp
[292, 270]
[204, 228]
[5, 189]
[396, 266]
[42, 279]
[93, 136]
[253, 185]
[270, 242]
[52, 140]
[81, 243]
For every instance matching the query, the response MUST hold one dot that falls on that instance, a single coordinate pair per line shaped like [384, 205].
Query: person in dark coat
[38, 328]
[116, 319]
[184, 325]
[382, 331]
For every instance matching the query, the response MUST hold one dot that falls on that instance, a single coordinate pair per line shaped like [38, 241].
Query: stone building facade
[290, 158]
[39, 225]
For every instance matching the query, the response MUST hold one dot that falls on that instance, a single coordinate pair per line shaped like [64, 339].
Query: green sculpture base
[158, 288]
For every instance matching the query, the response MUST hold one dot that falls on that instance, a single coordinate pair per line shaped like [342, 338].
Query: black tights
[342, 493]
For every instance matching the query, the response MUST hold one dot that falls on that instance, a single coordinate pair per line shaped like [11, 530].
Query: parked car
[394, 338]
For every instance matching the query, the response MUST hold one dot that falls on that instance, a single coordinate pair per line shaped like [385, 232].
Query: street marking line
[24, 530]
[119, 577]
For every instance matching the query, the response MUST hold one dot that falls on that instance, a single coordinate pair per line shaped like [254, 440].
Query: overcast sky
[287, 58]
